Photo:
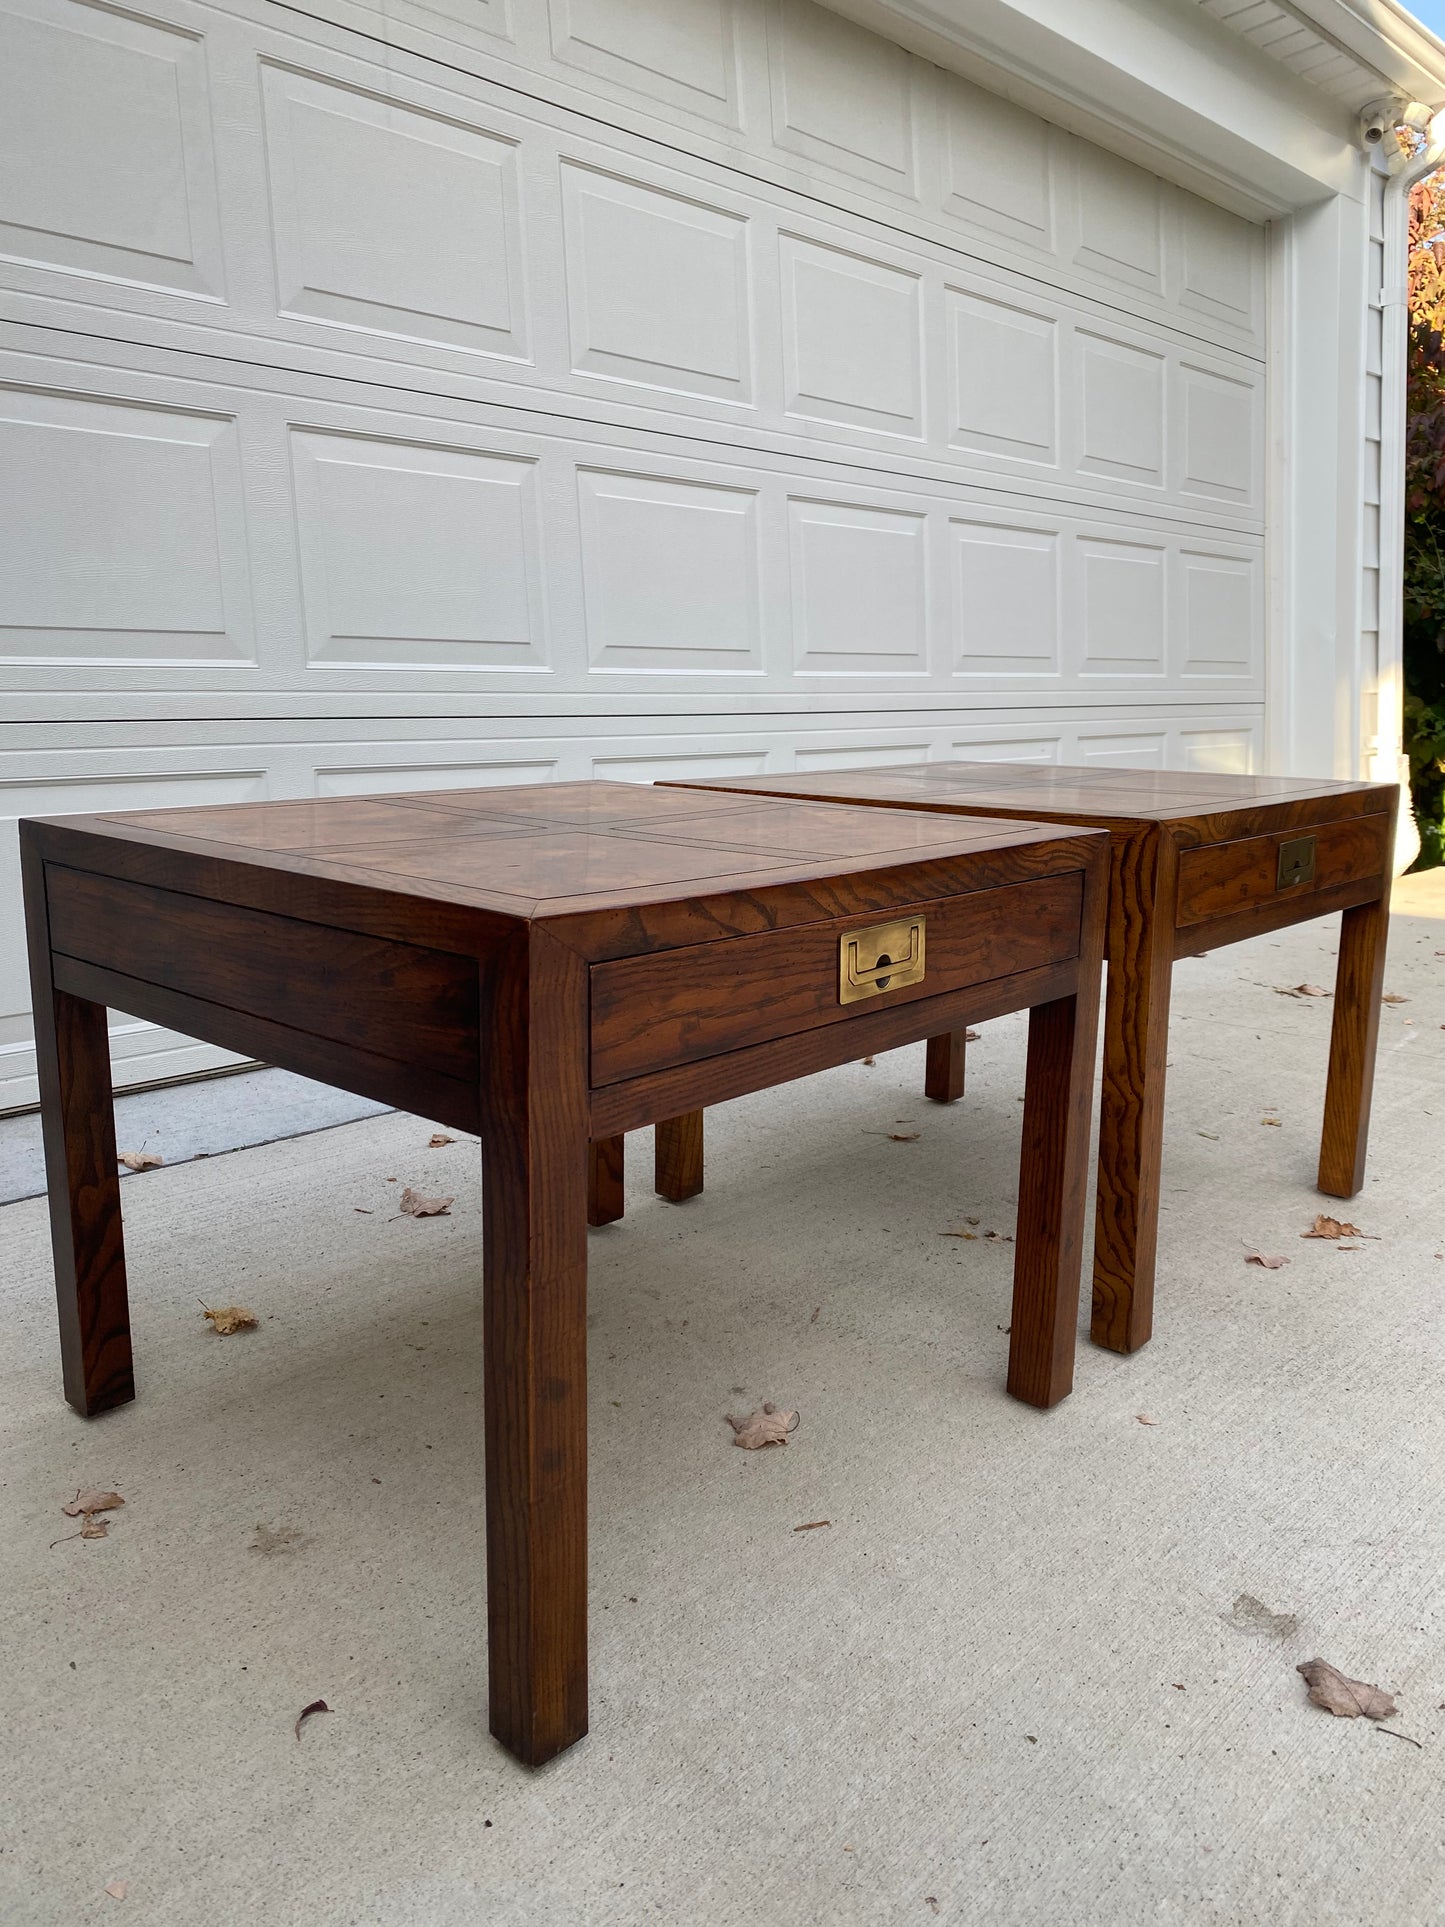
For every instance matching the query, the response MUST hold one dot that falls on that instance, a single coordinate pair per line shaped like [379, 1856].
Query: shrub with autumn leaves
[1424, 610]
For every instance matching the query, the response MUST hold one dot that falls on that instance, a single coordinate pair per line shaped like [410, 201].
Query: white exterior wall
[483, 394]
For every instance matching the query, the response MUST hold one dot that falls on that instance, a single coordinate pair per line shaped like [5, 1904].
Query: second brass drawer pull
[887, 956]
[1296, 862]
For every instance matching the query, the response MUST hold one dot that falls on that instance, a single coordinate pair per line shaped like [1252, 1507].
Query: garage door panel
[390, 548]
[443, 237]
[108, 167]
[479, 391]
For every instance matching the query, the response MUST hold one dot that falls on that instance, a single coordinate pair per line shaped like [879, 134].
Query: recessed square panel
[860, 603]
[413, 555]
[1123, 607]
[1222, 264]
[1223, 752]
[670, 574]
[997, 164]
[1143, 751]
[657, 286]
[1120, 219]
[846, 756]
[1220, 618]
[851, 346]
[1002, 388]
[842, 95]
[1005, 599]
[392, 219]
[1122, 400]
[124, 533]
[311, 825]
[564, 862]
[1220, 436]
[681, 51]
[413, 780]
[684, 768]
[106, 165]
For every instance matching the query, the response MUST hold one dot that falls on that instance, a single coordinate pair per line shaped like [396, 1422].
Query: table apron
[686, 1087]
[1289, 907]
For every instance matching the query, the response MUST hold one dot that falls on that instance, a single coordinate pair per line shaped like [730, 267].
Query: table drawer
[679, 1006]
[1222, 878]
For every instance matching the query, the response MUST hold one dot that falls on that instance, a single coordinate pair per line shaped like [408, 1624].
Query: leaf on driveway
[1394, 997]
[85, 1503]
[1347, 1699]
[139, 1160]
[1324, 1227]
[117, 1889]
[1251, 1615]
[230, 1318]
[1278, 1123]
[316, 1706]
[1301, 990]
[768, 1427]
[1144, 1418]
[416, 1206]
[438, 1139]
[1268, 1264]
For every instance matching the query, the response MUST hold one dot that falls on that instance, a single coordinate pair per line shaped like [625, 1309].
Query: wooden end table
[1197, 860]
[545, 967]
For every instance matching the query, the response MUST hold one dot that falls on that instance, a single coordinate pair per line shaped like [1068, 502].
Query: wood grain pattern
[1194, 866]
[1054, 1170]
[677, 1157]
[653, 1011]
[534, 1219]
[392, 999]
[1359, 982]
[250, 929]
[944, 1067]
[605, 1194]
[449, 1100]
[1131, 1095]
[878, 1026]
[78, 1123]
[1219, 879]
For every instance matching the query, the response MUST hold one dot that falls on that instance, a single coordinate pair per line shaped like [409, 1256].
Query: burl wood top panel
[1197, 805]
[553, 849]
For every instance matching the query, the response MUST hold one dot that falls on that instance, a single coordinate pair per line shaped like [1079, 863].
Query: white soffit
[1246, 102]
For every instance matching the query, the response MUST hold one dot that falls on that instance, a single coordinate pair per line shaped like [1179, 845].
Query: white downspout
[1385, 760]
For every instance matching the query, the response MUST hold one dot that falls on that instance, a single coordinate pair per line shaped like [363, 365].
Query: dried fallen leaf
[1394, 997]
[438, 1139]
[95, 1529]
[1144, 1418]
[813, 1525]
[139, 1160]
[231, 1318]
[999, 1237]
[1251, 1615]
[1346, 1698]
[1274, 1121]
[416, 1206]
[1324, 1227]
[1269, 1264]
[970, 1037]
[85, 1503]
[870, 1061]
[1302, 990]
[271, 1540]
[1213, 1136]
[904, 1137]
[117, 1889]
[316, 1706]
[973, 1235]
[768, 1427]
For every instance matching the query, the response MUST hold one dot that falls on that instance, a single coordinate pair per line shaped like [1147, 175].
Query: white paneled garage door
[473, 392]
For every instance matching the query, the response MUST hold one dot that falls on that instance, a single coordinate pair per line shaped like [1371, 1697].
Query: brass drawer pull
[886, 957]
[1296, 862]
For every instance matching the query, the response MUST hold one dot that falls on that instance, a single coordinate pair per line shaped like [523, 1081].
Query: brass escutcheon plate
[1296, 862]
[886, 956]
